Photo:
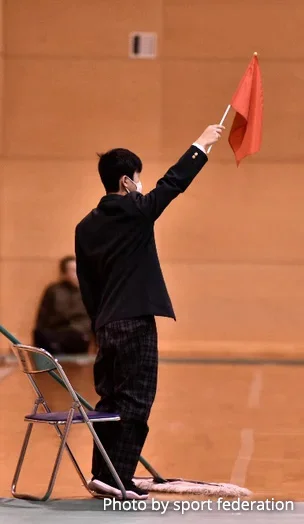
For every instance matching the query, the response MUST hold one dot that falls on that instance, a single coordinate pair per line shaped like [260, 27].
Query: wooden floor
[217, 422]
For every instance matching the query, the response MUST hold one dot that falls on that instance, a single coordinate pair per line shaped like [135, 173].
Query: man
[123, 290]
[62, 324]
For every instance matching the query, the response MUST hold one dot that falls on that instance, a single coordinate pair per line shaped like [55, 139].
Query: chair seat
[60, 417]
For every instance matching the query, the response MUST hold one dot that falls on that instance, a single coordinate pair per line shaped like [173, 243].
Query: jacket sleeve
[173, 183]
[86, 282]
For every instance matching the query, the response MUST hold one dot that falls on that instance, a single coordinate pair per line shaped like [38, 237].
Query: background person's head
[117, 169]
[67, 269]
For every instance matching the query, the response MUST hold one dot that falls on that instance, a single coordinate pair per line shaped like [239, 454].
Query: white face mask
[138, 185]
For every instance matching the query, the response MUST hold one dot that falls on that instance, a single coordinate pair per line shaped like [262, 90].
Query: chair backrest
[33, 360]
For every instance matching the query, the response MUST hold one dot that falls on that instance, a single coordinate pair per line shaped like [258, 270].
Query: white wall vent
[142, 45]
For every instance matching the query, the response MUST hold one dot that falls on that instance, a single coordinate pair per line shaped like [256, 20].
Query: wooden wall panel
[67, 28]
[1, 136]
[1, 74]
[1, 27]
[221, 29]
[251, 214]
[234, 303]
[22, 283]
[72, 109]
[232, 245]
[43, 201]
[1, 101]
[239, 303]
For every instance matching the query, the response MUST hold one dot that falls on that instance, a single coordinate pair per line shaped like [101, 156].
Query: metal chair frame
[30, 360]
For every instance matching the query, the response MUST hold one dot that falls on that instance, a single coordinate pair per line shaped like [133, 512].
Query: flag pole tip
[255, 54]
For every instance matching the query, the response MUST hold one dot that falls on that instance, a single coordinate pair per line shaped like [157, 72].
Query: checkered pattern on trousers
[125, 376]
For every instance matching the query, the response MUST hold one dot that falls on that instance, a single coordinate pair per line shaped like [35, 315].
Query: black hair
[116, 163]
[63, 263]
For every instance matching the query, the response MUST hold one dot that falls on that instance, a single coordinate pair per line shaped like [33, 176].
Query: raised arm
[179, 176]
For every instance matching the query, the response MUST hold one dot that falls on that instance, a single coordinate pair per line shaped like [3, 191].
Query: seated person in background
[62, 325]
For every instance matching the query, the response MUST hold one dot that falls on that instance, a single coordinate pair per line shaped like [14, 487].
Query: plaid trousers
[125, 376]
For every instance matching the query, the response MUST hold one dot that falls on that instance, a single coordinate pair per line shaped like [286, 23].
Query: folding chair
[33, 361]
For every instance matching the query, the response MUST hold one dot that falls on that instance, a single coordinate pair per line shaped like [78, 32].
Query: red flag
[246, 132]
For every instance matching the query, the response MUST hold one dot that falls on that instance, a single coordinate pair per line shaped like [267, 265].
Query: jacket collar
[108, 198]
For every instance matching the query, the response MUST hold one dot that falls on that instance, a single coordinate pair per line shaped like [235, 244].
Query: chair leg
[76, 465]
[73, 459]
[104, 454]
[55, 468]
[59, 456]
[71, 455]
[20, 463]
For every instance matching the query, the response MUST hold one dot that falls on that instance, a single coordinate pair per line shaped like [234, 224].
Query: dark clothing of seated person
[62, 324]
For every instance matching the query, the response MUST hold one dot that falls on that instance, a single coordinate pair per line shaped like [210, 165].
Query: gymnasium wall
[232, 247]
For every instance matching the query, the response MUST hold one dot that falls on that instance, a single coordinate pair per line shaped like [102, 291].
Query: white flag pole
[221, 123]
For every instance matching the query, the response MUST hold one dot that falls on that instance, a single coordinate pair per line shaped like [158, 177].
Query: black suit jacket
[117, 262]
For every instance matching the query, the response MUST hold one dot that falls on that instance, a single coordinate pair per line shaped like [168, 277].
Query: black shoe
[107, 489]
[130, 487]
